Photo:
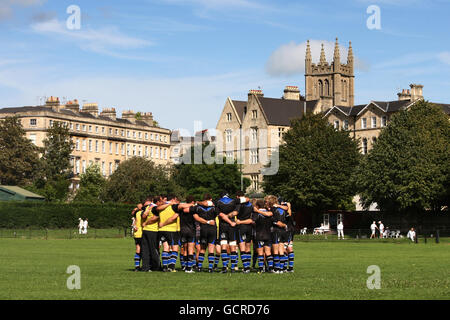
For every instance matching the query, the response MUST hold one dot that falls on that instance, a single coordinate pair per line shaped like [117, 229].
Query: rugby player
[205, 213]
[279, 235]
[244, 229]
[149, 247]
[226, 207]
[137, 235]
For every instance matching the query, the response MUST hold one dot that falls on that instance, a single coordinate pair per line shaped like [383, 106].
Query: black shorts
[245, 233]
[187, 236]
[208, 235]
[279, 236]
[171, 237]
[137, 241]
[263, 243]
[228, 233]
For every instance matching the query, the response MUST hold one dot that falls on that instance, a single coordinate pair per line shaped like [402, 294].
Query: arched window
[327, 88]
[320, 88]
[364, 146]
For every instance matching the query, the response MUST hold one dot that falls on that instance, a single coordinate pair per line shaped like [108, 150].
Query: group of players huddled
[213, 231]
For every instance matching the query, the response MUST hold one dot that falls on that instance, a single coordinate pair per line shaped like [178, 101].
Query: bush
[17, 214]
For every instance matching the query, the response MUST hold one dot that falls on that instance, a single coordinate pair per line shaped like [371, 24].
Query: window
[128, 149]
[364, 146]
[110, 131]
[122, 147]
[254, 134]
[326, 220]
[110, 148]
[128, 133]
[96, 129]
[228, 135]
[383, 121]
[156, 152]
[345, 124]
[146, 151]
[33, 122]
[229, 117]
[96, 145]
[280, 132]
[151, 136]
[139, 135]
[336, 124]
[117, 148]
[165, 154]
[254, 114]
[51, 123]
[146, 136]
[255, 182]
[151, 152]
[116, 132]
[103, 147]
[123, 133]
[140, 151]
[363, 123]
[156, 137]
[90, 145]
[374, 122]
[77, 166]
[90, 128]
[110, 168]
[33, 138]
[134, 134]
[103, 168]
[84, 166]
[77, 126]
[84, 127]
[253, 156]
[77, 144]
[71, 126]
[134, 149]
[229, 154]
[84, 145]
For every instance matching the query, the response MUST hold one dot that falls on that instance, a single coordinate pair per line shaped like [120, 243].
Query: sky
[181, 59]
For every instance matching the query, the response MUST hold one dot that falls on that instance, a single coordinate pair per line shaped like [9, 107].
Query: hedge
[15, 214]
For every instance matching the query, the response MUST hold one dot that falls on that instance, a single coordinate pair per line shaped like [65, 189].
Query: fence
[93, 233]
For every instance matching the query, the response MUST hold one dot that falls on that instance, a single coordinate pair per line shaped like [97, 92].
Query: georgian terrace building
[100, 138]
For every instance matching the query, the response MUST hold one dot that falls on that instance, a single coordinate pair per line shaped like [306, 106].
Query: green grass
[36, 269]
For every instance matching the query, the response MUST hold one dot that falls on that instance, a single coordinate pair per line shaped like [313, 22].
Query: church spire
[323, 60]
[308, 58]
[337, 56]
[350, 56]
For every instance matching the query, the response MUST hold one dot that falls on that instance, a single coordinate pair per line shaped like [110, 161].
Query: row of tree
[407, 169]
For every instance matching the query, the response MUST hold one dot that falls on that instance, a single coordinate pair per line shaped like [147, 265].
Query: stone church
[251, 130]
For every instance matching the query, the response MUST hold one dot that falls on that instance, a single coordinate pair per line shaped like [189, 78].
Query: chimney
[109, 113]
[73, 106]
[404, 95]
[257, 93]
[416, 91]
[129, 115]
[91, 108]
[291, 93]
[53, 102]
[147, 117]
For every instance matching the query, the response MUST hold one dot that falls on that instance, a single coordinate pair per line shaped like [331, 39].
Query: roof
[15, 190]
[70, 113]
[240, 108]
[282, 111]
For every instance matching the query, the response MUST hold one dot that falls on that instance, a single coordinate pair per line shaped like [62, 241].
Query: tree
[91, 185]
[315, 165]
[57, 149]
[408, 167]
[19, 157]
[136, 179]
[213, 178]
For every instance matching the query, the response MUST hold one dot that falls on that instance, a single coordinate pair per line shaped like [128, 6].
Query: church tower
[332, 84]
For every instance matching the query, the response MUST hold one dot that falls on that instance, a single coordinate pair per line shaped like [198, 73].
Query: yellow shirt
[154, 225]
[165, 215]
[138, 225]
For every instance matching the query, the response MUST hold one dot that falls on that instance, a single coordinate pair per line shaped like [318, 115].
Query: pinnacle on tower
[337, 56]
[350, 53]
[308, 51]
[323, 60]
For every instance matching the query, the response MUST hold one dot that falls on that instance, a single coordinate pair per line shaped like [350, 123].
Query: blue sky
[181, 59]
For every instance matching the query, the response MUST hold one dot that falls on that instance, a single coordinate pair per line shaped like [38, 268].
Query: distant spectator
[411, 235]
[80, 226]
[373, 228]
[340, 230]
[381, 228]
[85, 226]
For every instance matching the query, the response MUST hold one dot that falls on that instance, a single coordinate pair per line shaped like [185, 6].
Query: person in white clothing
[85, 226]
[373, 227]
[340, 230]
[411, 234]
[80, 226]
[381, 228]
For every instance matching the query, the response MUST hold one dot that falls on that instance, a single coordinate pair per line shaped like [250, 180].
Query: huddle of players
[219, 228]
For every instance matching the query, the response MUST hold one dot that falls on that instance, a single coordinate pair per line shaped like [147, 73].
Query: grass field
[36, 269]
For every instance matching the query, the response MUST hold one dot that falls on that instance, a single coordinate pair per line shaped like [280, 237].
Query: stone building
[98, 137]
[250, 131]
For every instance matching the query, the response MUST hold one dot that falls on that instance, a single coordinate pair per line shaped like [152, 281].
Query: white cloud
[289, 59]
[6, 6]
[104, 40]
